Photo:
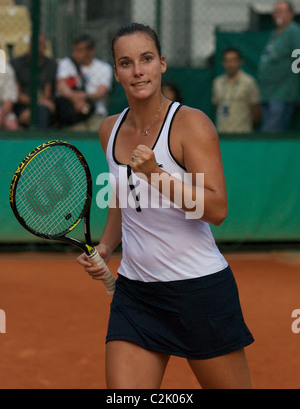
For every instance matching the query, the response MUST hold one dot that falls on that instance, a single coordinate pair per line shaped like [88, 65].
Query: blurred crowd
[71, 93]
[74, 92]
[269, 104]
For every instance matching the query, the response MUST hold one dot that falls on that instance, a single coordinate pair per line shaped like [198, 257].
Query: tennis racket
[51, 192]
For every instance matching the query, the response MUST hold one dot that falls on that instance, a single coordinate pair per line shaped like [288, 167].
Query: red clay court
[56, 318]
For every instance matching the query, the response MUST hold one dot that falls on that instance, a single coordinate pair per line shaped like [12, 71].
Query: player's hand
[97, 273]
[143, 161]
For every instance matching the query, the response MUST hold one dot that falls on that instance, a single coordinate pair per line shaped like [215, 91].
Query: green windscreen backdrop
[263, 178]
[250, 43]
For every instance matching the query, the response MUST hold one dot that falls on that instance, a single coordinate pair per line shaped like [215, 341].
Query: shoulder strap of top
[164, 133]
[109, 151]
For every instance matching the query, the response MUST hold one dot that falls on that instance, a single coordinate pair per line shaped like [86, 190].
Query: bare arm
[23, 98]
[110, 240]
[101, 93]
[6, 109]
[202, 155]
[112, 234]
[78, 98]
[64, 89]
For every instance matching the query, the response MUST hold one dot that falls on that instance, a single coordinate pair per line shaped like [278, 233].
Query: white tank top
[159, 244]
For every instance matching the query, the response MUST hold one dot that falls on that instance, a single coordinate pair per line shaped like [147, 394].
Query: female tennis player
[175, 292]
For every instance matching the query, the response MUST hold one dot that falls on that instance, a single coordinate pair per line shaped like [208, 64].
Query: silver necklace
[146, 131]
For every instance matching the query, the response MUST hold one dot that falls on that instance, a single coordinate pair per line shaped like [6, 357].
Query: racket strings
[52, 191]
[53, 195]
[47, 198]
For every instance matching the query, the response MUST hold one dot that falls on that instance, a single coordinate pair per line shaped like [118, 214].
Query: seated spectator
[83, 83]
[236, 96]
[8, 96]
[47, 72]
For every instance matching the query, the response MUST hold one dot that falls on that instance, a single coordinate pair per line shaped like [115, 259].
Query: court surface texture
[56, 319]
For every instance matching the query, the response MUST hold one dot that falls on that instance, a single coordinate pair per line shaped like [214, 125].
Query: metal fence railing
[186, 27]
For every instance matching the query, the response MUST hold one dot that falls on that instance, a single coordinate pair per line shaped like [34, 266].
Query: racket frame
[85, 213]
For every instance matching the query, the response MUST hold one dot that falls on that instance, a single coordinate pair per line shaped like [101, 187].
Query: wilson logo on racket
[50, 194]
[21, 168]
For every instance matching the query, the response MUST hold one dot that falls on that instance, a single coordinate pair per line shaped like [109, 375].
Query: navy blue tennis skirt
[196, 319]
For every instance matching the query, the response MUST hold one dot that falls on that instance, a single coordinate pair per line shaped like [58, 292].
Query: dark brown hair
[136, 28]
[87, 40]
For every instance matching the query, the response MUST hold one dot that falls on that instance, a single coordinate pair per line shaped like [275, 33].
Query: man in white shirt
[84, 79]
[8, 96]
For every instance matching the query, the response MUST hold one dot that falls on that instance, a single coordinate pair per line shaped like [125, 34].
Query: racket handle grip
[109, 281]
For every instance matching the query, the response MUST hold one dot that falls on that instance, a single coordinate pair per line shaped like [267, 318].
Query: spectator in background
[8, 97]
[172, 92]
[236, 96]
[279, 85]
[47, 72]
[85, 82]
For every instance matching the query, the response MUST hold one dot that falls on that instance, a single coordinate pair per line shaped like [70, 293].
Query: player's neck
[144, 113]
